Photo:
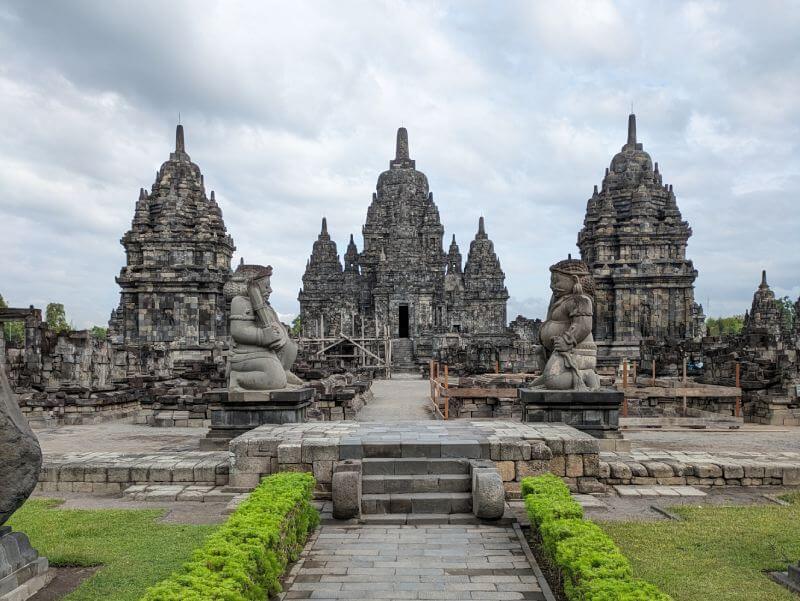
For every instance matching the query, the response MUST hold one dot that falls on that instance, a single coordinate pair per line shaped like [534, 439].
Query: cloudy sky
[290, 108]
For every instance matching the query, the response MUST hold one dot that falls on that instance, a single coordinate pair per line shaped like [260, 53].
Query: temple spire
[481, 229]
[324, 231]
[401, 148]
[764, 279]
[179, 144]
[632, 129]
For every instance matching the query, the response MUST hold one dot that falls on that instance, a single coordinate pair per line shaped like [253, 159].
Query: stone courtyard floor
[404, 397]
[750, 437]
[362, 562]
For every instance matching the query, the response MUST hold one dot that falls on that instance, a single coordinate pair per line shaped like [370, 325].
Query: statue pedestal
[22, 571]
[594, 412]
[234, 413]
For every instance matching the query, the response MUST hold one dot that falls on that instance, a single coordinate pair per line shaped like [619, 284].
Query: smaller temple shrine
[178, 259]
[634, 240]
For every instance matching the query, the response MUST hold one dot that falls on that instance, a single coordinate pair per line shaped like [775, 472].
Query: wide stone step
[413, 466]
[443, 483]
[423, 502]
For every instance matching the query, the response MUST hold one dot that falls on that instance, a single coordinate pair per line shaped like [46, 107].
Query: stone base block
[594, 412]
[22, 571]
[238, 412]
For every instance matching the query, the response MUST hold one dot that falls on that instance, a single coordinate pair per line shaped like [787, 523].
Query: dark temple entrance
[403, 333]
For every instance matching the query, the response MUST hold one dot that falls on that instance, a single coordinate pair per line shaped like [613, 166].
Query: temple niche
[402, 285]
[178, 259]
[634, 240]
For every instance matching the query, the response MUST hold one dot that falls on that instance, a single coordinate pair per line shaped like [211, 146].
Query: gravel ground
[641, 508]
[118, 436]
[750, 437]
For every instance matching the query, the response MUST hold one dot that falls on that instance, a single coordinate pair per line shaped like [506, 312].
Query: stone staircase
[416, 486]
[403, 355]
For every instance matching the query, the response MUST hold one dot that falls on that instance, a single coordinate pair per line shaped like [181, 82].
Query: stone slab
[594, 412]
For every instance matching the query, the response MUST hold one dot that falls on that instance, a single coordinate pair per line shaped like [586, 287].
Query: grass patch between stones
[716, 552]
[134, 548]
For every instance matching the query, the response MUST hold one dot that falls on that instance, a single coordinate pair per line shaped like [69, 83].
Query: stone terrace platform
[518, 449]
[700, 468]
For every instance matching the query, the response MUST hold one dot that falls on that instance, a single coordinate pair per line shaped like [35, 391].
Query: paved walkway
[363, 562]
[398, 399]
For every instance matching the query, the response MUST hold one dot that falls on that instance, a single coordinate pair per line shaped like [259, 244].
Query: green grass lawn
[135, 550]
[716, 553]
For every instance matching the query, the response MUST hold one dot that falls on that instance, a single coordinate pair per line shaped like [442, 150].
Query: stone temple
[634, 240]
[402, 283]
[178, 259]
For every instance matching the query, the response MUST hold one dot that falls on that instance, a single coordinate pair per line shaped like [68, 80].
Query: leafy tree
[297, 326]
[789, 311]
[13, 332]
[56, 318]
[718, 326]
[99, 332]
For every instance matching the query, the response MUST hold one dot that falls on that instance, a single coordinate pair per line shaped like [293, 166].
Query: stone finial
[632, 129]
[481, 229]
[324, 231]
[142, 194]
[655, 169]
[453, 243]
[179, 144]
[763, 279]
[401, 148]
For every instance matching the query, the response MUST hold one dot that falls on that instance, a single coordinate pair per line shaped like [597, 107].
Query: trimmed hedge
[592, 566]
[246, 557]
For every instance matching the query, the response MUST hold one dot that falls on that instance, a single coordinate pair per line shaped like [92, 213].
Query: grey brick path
[362, 562]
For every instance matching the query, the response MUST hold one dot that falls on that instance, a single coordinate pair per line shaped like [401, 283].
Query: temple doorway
[403, 321]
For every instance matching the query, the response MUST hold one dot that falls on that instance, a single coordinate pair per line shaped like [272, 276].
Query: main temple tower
[634, 240]
[402, 283]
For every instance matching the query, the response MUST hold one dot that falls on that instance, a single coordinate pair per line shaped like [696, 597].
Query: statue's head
[244, 274]
[571, 276]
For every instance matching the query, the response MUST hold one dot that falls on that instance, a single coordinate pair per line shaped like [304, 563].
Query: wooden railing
[438, 388]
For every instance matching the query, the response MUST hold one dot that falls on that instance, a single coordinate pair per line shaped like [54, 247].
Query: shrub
[542, 509]
[602, 589]
[548, 484]
[245, 558]
[593, 567]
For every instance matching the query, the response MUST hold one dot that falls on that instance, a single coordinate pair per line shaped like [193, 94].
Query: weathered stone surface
[346, 489]
[566, 334]
[20, 452]
[262, 353]
[507, 470]
[402, 279]
[178, 259]
[488, 494]
[634, 240]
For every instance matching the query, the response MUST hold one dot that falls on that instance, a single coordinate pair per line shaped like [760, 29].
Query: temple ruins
[634, 239]
[402, 287]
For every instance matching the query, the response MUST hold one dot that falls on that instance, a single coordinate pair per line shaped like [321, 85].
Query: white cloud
[514, 110]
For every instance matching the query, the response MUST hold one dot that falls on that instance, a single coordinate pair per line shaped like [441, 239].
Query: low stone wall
[517, 449]
[339, 397]
[485, 395]
[111, 473]
[672, 406]
[700, 469]
[51, 413]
